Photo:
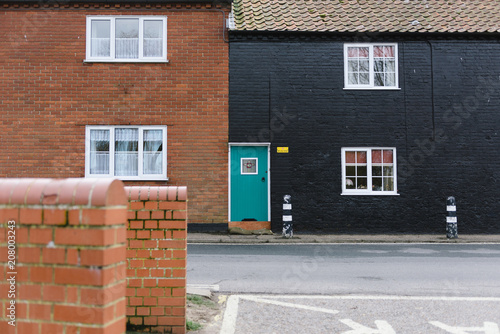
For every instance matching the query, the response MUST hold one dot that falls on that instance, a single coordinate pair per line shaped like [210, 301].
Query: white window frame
[140, 175]
[256, 165]
[368, 190]
[111, 58]
[371, 85]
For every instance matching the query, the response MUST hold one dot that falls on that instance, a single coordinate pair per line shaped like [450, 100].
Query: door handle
[263, 179]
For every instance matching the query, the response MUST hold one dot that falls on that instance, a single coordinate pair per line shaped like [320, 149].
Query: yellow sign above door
[282, 149]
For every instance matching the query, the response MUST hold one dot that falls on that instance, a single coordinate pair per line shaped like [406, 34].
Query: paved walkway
[340, 238]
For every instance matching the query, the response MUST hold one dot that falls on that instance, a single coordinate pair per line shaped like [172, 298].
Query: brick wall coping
[72, 191]
[156, 193]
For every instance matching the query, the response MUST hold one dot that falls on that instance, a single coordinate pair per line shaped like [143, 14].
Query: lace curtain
[100, 40]
[126, 151]
[153, 38]
[126, 155]
[99, 151]
[153, 152]
[126, 38]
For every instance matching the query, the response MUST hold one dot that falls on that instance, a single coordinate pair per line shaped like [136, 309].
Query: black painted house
[369, 113]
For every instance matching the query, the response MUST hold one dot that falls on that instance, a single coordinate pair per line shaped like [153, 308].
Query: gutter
[62, 2]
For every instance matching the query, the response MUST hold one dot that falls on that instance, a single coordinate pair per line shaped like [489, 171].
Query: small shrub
[192, 326]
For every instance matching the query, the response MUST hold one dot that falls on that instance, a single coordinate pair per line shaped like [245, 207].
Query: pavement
[221, 238]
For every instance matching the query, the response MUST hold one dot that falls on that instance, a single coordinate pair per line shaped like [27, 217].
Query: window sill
[127, 179]
[122, 61]
[381, 193]
[372, 88]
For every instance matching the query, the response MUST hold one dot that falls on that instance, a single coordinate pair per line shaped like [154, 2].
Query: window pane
[388, 184]
[349, 183]
[249, 166]
[361, 171]
[379, 79]
[350, 171]
[390, 66]
[127, 38]
[100, 38]
[99, 152]
[126, 151]
[363, 52]
[361, 157]
[376, 156]
[388, 171]
[389, 51]
[364, 79]
[390, 79]
[353, 66]
[350, 157]
[353, 78]
[364, 66]
[153, 38]
[362, 183]
[352, 52]
[377, 171]
[153, 152]
[378, 51]
[388, 157]
[377, 184]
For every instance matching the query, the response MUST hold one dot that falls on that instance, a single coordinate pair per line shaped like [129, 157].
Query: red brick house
[136, 90]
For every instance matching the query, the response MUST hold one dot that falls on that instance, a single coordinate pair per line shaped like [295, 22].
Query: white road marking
[418, 251]
[383, 327]
[230, 315]
[211, 287]
[373, 251]
[476, 251]
[489, 328]
[278, 303]
[388, 297]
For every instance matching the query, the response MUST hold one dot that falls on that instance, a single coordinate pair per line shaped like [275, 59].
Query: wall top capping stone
[72, 191]
[156, 193]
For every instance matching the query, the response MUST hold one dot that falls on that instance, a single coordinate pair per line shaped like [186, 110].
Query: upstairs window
[369, 171]
[126, 38]
[126, 152]
[371, 66]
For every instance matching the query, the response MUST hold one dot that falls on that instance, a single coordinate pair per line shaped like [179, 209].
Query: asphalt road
[387, 269]
[352, 288]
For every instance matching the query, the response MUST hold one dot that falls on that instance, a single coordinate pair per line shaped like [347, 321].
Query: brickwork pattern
[49, 94]
[289, 90]
[70, 255]
[156, 259]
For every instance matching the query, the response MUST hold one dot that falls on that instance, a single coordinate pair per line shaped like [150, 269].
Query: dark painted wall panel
[444, 123]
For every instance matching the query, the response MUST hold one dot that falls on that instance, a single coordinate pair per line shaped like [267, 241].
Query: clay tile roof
[368, 15]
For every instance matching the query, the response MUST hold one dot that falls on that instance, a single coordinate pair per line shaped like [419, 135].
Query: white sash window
[126, 152]
[126, 39]
[371, 66]
[369, 171]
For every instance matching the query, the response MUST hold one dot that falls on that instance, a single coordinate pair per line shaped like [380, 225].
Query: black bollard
[451, 218]
[287, 217]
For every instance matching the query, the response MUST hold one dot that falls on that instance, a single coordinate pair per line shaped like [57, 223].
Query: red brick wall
[156, 258]
[49, 95]
[70, 256]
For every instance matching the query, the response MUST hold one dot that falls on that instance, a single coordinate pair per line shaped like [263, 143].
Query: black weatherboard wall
[288, 89]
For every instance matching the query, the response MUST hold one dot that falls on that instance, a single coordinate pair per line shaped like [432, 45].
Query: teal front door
[249, 183]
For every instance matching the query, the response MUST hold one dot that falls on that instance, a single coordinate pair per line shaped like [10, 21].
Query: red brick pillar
[69, 261]
[156, 256]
